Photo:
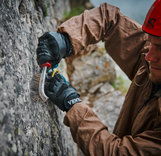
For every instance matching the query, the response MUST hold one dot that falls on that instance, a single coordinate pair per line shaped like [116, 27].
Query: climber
[137, 50]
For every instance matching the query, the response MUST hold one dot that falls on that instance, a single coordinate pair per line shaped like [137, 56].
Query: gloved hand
[53, 47]
[60, 92]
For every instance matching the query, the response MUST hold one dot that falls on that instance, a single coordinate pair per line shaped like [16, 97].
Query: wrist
[69, 49]
[70, 101]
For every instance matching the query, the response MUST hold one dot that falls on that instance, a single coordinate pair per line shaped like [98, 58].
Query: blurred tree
[86, 3]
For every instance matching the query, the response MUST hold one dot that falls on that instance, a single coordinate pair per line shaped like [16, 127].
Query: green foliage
[45, 9]
[114, 85]
[44, 5]
[121, 84]
[74, 12]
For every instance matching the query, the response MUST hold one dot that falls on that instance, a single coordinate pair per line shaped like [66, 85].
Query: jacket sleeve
[93, 137]
[124, 39]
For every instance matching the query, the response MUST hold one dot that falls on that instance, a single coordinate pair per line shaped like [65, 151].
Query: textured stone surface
[91, 70]
[28, 126]
[107, 106]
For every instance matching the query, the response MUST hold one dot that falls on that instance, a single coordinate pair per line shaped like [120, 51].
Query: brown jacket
[138, 129]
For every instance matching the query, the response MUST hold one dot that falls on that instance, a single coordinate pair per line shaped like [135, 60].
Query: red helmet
[152, 23]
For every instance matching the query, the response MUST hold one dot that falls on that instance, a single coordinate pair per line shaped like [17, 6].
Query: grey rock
[28, 126]
[106, 107]
[91, 70]
[106, 88]
[95, 88]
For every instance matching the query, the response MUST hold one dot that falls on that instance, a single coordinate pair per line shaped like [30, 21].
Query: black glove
[53, 47]
[60, 92]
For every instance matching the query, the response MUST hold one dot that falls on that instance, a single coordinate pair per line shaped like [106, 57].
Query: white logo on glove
[73, 101]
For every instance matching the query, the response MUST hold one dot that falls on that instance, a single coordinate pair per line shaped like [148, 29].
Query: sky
[135, 9]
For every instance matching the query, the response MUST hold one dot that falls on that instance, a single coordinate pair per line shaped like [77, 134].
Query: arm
[91, 26]
[94, 139]
[124, 39]
[91, 135]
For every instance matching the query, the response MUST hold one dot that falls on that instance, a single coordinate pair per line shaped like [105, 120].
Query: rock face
[91, 70]
[28, 126]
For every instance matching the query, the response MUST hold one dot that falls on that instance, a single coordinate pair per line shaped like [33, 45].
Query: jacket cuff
[75, 116]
